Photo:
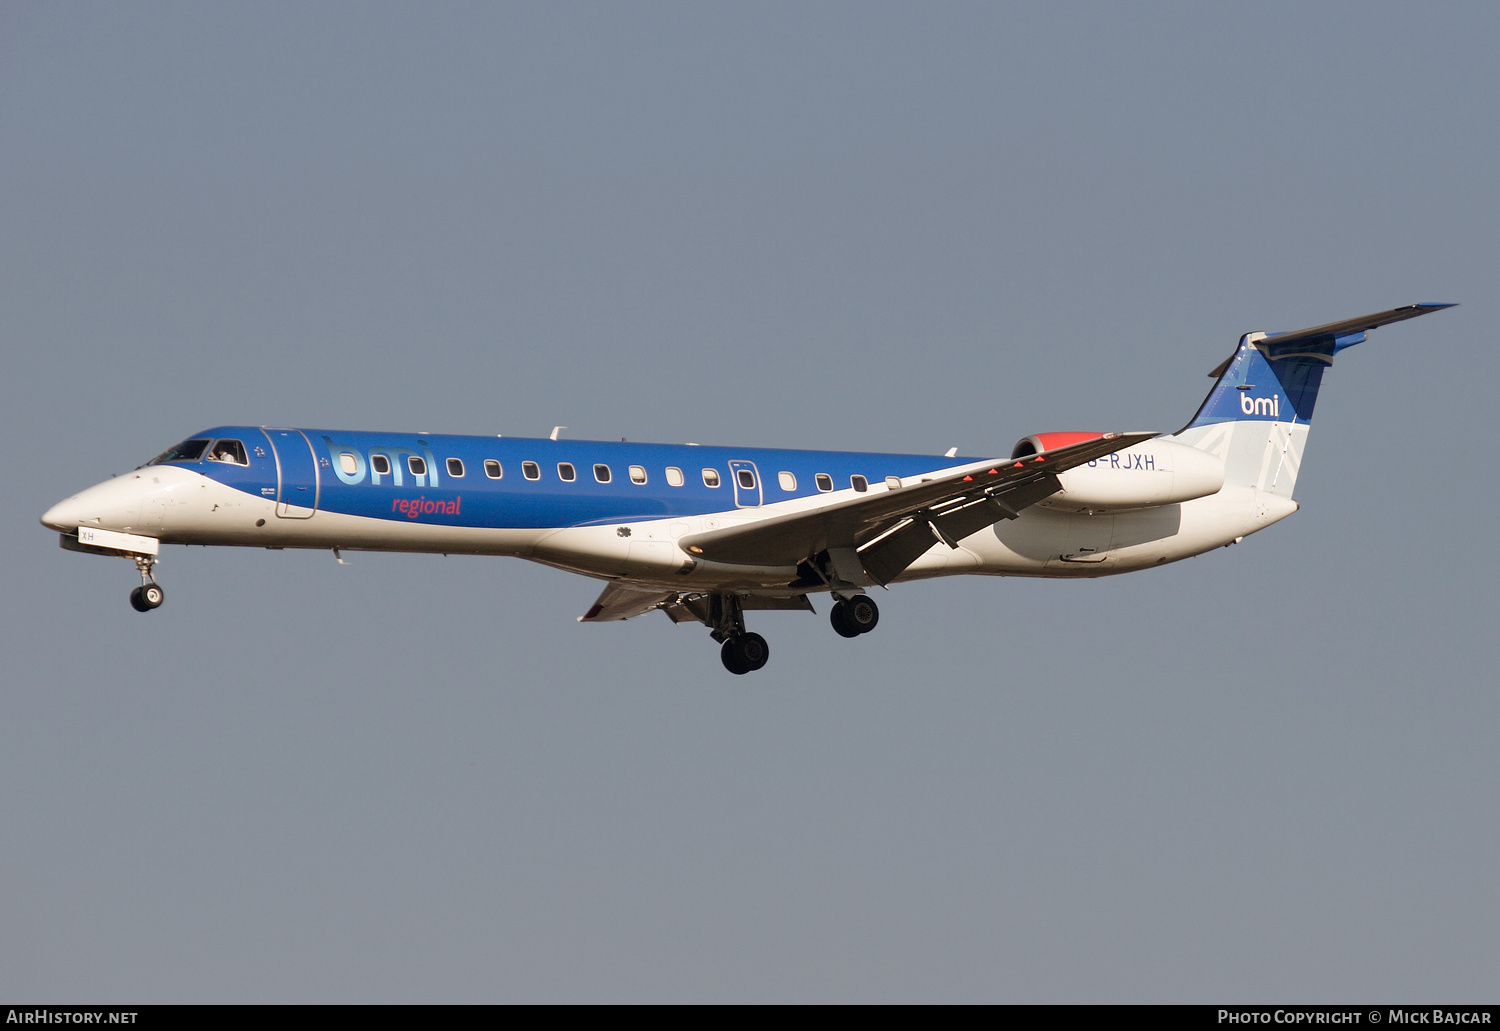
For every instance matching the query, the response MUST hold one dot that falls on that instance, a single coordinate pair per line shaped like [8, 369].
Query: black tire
[862, 613]
[136, 602]
[839, 617]
[754, 650]
[733, 658]
[152, 596]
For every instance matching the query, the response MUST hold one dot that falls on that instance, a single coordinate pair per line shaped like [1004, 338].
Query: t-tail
[1256, 417]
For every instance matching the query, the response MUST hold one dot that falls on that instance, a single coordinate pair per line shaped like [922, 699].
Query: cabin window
[859, 483]
[674, 476]
[601, 473]
[637, 474]
[893, 482]
[566, 472]
[787, 480]
[417, 465]
[381, 464]
[531, 470]
[492, 469]
[187, 451]
[455, 467]
[747, 479]
[349, 464]
[824, 481]
[710, 477]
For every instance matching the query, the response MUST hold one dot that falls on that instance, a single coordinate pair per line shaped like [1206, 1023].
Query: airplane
[706, 534]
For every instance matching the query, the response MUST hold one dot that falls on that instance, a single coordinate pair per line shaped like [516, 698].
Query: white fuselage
[179, 506]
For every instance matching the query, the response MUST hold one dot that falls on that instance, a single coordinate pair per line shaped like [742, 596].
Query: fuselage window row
[566, 471]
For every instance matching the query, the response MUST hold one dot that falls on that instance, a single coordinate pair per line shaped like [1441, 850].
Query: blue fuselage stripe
[348, 477]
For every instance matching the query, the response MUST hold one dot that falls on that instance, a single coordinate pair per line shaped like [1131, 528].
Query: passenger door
[298, 484]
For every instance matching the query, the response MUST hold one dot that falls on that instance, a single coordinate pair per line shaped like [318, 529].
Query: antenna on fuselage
[555, 431]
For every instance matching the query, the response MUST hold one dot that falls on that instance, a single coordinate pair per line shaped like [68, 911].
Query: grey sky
[1266, 773]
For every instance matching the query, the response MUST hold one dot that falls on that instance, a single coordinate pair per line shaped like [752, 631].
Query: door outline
[735, 465]
[283, 505]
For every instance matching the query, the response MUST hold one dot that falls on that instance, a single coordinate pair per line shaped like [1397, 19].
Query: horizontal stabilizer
[1337, 331]
[1348, 327]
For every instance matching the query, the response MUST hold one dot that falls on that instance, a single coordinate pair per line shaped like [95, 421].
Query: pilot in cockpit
[230, 451]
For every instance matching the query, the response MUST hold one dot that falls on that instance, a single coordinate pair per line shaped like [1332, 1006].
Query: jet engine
[1155, 472]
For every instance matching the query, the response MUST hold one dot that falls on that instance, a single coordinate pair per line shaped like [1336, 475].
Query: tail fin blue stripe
[1276, 378]
[1252, 388]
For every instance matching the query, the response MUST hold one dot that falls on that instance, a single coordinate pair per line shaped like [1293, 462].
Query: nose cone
[114, 504]
[63, 516]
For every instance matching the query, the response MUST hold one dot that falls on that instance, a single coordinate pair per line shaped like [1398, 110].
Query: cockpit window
[187, 451]
[228, 451]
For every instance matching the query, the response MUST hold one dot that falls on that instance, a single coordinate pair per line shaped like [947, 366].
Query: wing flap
[888, 556]
[698, 607]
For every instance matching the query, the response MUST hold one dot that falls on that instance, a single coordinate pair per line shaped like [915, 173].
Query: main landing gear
[741, 652]
[854, 615]
[149, 594]
[745, 653]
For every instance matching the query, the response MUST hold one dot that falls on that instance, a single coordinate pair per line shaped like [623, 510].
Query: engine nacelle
[1149, 474]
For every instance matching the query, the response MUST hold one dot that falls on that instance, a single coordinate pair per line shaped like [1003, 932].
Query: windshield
[187, 451]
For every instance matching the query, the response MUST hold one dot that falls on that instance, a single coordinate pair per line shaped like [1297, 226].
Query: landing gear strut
[741, 652]
[854, 616]
[149, 594]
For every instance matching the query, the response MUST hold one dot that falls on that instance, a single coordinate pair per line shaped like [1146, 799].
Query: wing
[891, 526]
[621, 601]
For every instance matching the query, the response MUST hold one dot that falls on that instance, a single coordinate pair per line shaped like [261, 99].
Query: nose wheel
[146, 597]
[149, 594]
[854, 616]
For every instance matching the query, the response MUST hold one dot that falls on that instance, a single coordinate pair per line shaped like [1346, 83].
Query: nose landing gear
[149, 594]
